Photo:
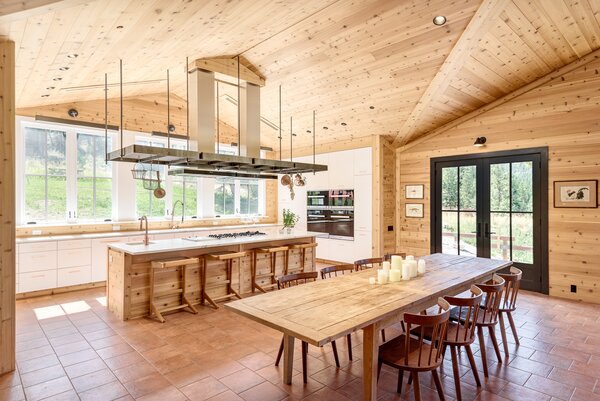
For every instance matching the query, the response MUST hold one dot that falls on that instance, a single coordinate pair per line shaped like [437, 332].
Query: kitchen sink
[138, 243]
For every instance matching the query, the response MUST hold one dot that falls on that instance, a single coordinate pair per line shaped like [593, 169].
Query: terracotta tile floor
[69, 347]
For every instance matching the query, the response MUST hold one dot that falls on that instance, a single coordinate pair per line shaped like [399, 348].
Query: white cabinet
[363, 201]
[35, 281]
[319, 181]
[341, 170]
[341, 250]
[363, 161]
[74, 276]
[74, 257]
[37, 261]
[363, 248]
[323, 248]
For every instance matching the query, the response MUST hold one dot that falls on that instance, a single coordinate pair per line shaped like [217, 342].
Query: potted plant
[289, 220]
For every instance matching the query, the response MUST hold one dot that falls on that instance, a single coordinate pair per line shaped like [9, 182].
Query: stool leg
[204, 295]
[286, 263]
[153, 307]
[184, 285]
[230, 279]
[253, 271]
[273, 266]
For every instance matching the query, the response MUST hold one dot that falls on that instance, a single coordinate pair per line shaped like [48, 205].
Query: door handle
[487, 231]
[478, 232]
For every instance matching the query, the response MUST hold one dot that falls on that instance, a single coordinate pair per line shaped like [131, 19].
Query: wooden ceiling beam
[228, 67]
[468, 41]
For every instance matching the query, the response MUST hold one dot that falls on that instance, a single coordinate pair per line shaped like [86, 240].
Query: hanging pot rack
[186, 162]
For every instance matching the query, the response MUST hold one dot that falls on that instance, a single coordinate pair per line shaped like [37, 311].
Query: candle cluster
[398, 269]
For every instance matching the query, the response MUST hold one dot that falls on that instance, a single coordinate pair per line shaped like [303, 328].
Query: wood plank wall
[388, 194]
[561, 114]
[7, 206]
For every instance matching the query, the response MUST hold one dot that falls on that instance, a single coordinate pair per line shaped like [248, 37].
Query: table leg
[370, 358]
[288, 358]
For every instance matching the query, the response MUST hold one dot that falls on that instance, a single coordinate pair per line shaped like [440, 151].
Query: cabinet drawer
[74, 257]
[74, 276]
[74, 244]
[37, 247]
[36, 281]
[36, 261]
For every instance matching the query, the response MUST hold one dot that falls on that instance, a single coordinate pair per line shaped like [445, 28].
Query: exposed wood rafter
[228, 67]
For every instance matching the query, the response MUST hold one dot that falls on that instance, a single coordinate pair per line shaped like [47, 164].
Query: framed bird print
[576, 194]
[414, 191]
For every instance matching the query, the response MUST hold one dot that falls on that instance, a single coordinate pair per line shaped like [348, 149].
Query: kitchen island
[129, 264]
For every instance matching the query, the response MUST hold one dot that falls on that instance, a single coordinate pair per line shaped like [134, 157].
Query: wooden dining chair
[508, 304]
[488, 316]
[462, 333]
[417, 355]
[334, 271]
[291, 280]
[370, 263]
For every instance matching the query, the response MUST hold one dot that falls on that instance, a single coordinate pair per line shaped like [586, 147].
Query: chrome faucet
[146, 239]
[173, 225]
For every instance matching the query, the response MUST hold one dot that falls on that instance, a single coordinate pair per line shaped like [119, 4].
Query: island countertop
[182, 244]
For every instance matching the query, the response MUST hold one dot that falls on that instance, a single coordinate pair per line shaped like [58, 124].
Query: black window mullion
[458, 208]
[510, 206]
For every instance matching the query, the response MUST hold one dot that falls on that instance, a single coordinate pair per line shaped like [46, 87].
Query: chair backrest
[468, 309]
[334, 271]
[511, 289]
[291, 280]
[493, 295]
[363, 264]
[429, 353]
[388, 256]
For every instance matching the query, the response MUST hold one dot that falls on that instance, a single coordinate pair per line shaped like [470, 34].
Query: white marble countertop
[178, 244]
[200, 230]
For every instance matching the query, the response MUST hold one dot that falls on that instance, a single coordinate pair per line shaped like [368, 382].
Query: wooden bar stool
[227, 257]
[181, 266]
[509, 304]
[272, 252]
[302, 248]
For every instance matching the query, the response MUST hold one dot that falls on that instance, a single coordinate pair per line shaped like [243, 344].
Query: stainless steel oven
[317, 220]
[341, 223]
[317, 199]
[341, 198]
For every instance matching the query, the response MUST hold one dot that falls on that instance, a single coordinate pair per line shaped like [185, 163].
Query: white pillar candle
[396, 262]
[386, 265]
[410, 257]
[405, 271]
[421, 267]
[395, 275]
[372, 280]
[382, 276]
[413, 268]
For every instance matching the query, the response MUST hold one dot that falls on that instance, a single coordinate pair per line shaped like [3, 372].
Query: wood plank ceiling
[339, 57]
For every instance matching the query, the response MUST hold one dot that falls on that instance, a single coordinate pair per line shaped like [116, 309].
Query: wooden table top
[324, 310]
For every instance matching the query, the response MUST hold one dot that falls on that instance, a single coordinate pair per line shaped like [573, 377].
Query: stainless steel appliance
[331, 213]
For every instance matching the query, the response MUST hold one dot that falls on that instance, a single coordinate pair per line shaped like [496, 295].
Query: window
[224, 196]
[185, 189]
[146, 203]
[45, 178]
[63, 174]
[94, 178]
[249, 191]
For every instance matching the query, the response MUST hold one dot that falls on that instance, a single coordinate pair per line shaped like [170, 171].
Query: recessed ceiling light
[50, 88]
[325, 128]
[119, 26]
[439, 20]
[344, 124]
[57, 79]
[73, 55]
[371, 107]
[45, 95]
[308, 131]
[63, 68]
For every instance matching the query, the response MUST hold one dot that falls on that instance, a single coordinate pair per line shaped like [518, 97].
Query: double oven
[331, 213]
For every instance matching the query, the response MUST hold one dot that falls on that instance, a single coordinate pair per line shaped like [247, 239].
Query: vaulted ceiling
[379, 66]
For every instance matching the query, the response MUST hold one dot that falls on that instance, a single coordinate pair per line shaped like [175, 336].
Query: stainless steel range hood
[202, 160]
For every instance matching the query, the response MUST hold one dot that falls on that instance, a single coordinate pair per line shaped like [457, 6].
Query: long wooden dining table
[325, 310]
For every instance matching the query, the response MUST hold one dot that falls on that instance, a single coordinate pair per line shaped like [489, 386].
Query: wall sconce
[480, 142]
[73, 113]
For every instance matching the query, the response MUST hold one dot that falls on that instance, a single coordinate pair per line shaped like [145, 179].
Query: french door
[494, 206]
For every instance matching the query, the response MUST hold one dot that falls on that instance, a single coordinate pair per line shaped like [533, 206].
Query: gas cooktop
[236, 235]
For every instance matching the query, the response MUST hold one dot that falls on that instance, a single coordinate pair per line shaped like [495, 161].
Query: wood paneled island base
[128, 286]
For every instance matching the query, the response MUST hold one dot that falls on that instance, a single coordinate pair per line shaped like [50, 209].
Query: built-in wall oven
[331, 213]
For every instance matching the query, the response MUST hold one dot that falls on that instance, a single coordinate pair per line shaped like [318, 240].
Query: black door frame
[543, 154]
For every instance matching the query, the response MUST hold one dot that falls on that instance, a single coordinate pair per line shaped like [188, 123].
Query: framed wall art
[414, 210]
[414, 191]
[576, 194]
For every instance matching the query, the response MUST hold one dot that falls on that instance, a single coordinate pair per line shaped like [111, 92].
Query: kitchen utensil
[159, 192]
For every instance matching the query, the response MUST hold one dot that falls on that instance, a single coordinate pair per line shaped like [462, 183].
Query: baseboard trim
[60, 290]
